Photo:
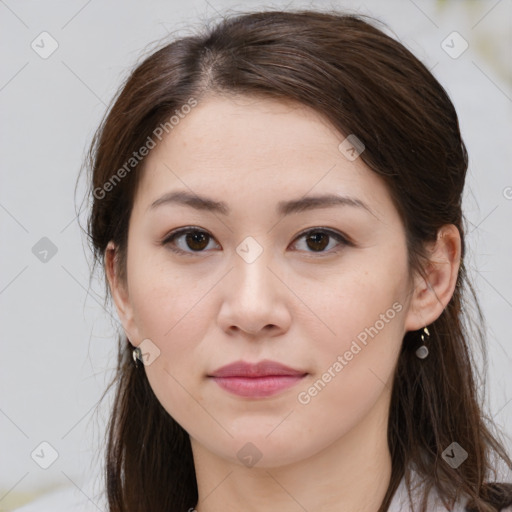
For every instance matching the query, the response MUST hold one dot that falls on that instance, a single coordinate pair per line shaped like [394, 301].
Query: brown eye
[317, 240]
[192, 241]
[196, 240]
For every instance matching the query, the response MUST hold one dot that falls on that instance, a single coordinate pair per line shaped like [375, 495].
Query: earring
[137, 356]
[422, 352]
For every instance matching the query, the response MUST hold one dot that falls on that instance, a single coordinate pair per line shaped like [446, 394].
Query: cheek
[167, 300]
[354, 371]
[364, 311]
[367, 297]
[175, 319]
[356, 363]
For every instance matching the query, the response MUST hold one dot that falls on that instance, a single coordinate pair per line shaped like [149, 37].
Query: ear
[431, 295]
[119, 291]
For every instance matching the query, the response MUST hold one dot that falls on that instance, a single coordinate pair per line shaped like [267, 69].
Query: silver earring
[137, 356]
[422, 352]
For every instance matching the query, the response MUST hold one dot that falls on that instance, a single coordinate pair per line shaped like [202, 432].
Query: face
[321, 287]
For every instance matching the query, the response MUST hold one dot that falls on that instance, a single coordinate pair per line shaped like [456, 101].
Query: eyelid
[340, 237]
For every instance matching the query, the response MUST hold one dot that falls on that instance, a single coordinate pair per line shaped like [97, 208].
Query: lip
[256, 380]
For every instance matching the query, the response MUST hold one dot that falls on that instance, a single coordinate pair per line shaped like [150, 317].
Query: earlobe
[434, 291]
[119, 293]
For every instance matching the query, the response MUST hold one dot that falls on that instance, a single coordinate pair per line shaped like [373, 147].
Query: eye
[318, 240]
[195, 239]
[198, 240]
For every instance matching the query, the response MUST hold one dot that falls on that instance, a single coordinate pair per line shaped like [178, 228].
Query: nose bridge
[251, 267]
[252, 296]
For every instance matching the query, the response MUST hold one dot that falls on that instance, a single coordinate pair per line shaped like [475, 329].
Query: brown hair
[365, 83]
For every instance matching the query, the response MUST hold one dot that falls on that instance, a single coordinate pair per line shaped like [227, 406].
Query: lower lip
[257, 387]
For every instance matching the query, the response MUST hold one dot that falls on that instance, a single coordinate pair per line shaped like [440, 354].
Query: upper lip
[259, 369]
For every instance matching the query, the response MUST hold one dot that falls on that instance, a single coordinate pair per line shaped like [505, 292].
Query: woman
[277, 205]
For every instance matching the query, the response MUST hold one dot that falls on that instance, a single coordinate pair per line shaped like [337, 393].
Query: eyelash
[169, 240]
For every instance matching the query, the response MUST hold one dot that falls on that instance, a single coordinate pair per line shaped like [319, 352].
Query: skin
[292, 304]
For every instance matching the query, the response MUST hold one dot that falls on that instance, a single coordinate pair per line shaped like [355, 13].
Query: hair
[365, 83]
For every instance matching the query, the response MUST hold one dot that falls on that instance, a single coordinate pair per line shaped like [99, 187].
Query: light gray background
[58, 344]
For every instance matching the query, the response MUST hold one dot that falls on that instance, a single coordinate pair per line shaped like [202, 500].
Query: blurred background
[62, 62]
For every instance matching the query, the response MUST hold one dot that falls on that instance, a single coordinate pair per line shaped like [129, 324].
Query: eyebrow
[283, 207]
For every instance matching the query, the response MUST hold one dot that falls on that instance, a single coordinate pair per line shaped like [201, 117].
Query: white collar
[402, 503]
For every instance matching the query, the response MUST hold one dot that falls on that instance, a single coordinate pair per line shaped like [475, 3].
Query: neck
[352, 474]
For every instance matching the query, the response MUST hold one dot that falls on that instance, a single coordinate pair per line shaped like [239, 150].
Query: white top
[402, 503]
[88, 499]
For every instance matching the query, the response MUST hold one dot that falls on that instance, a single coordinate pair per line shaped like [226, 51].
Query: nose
[255, 299]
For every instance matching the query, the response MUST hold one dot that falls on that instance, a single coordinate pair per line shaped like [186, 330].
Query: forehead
[242, 128]
[244, 146]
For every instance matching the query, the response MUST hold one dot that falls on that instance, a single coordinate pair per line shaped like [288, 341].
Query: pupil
[192, 239]
[316, 237]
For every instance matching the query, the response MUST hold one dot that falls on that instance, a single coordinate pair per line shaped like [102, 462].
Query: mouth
[256, 380]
